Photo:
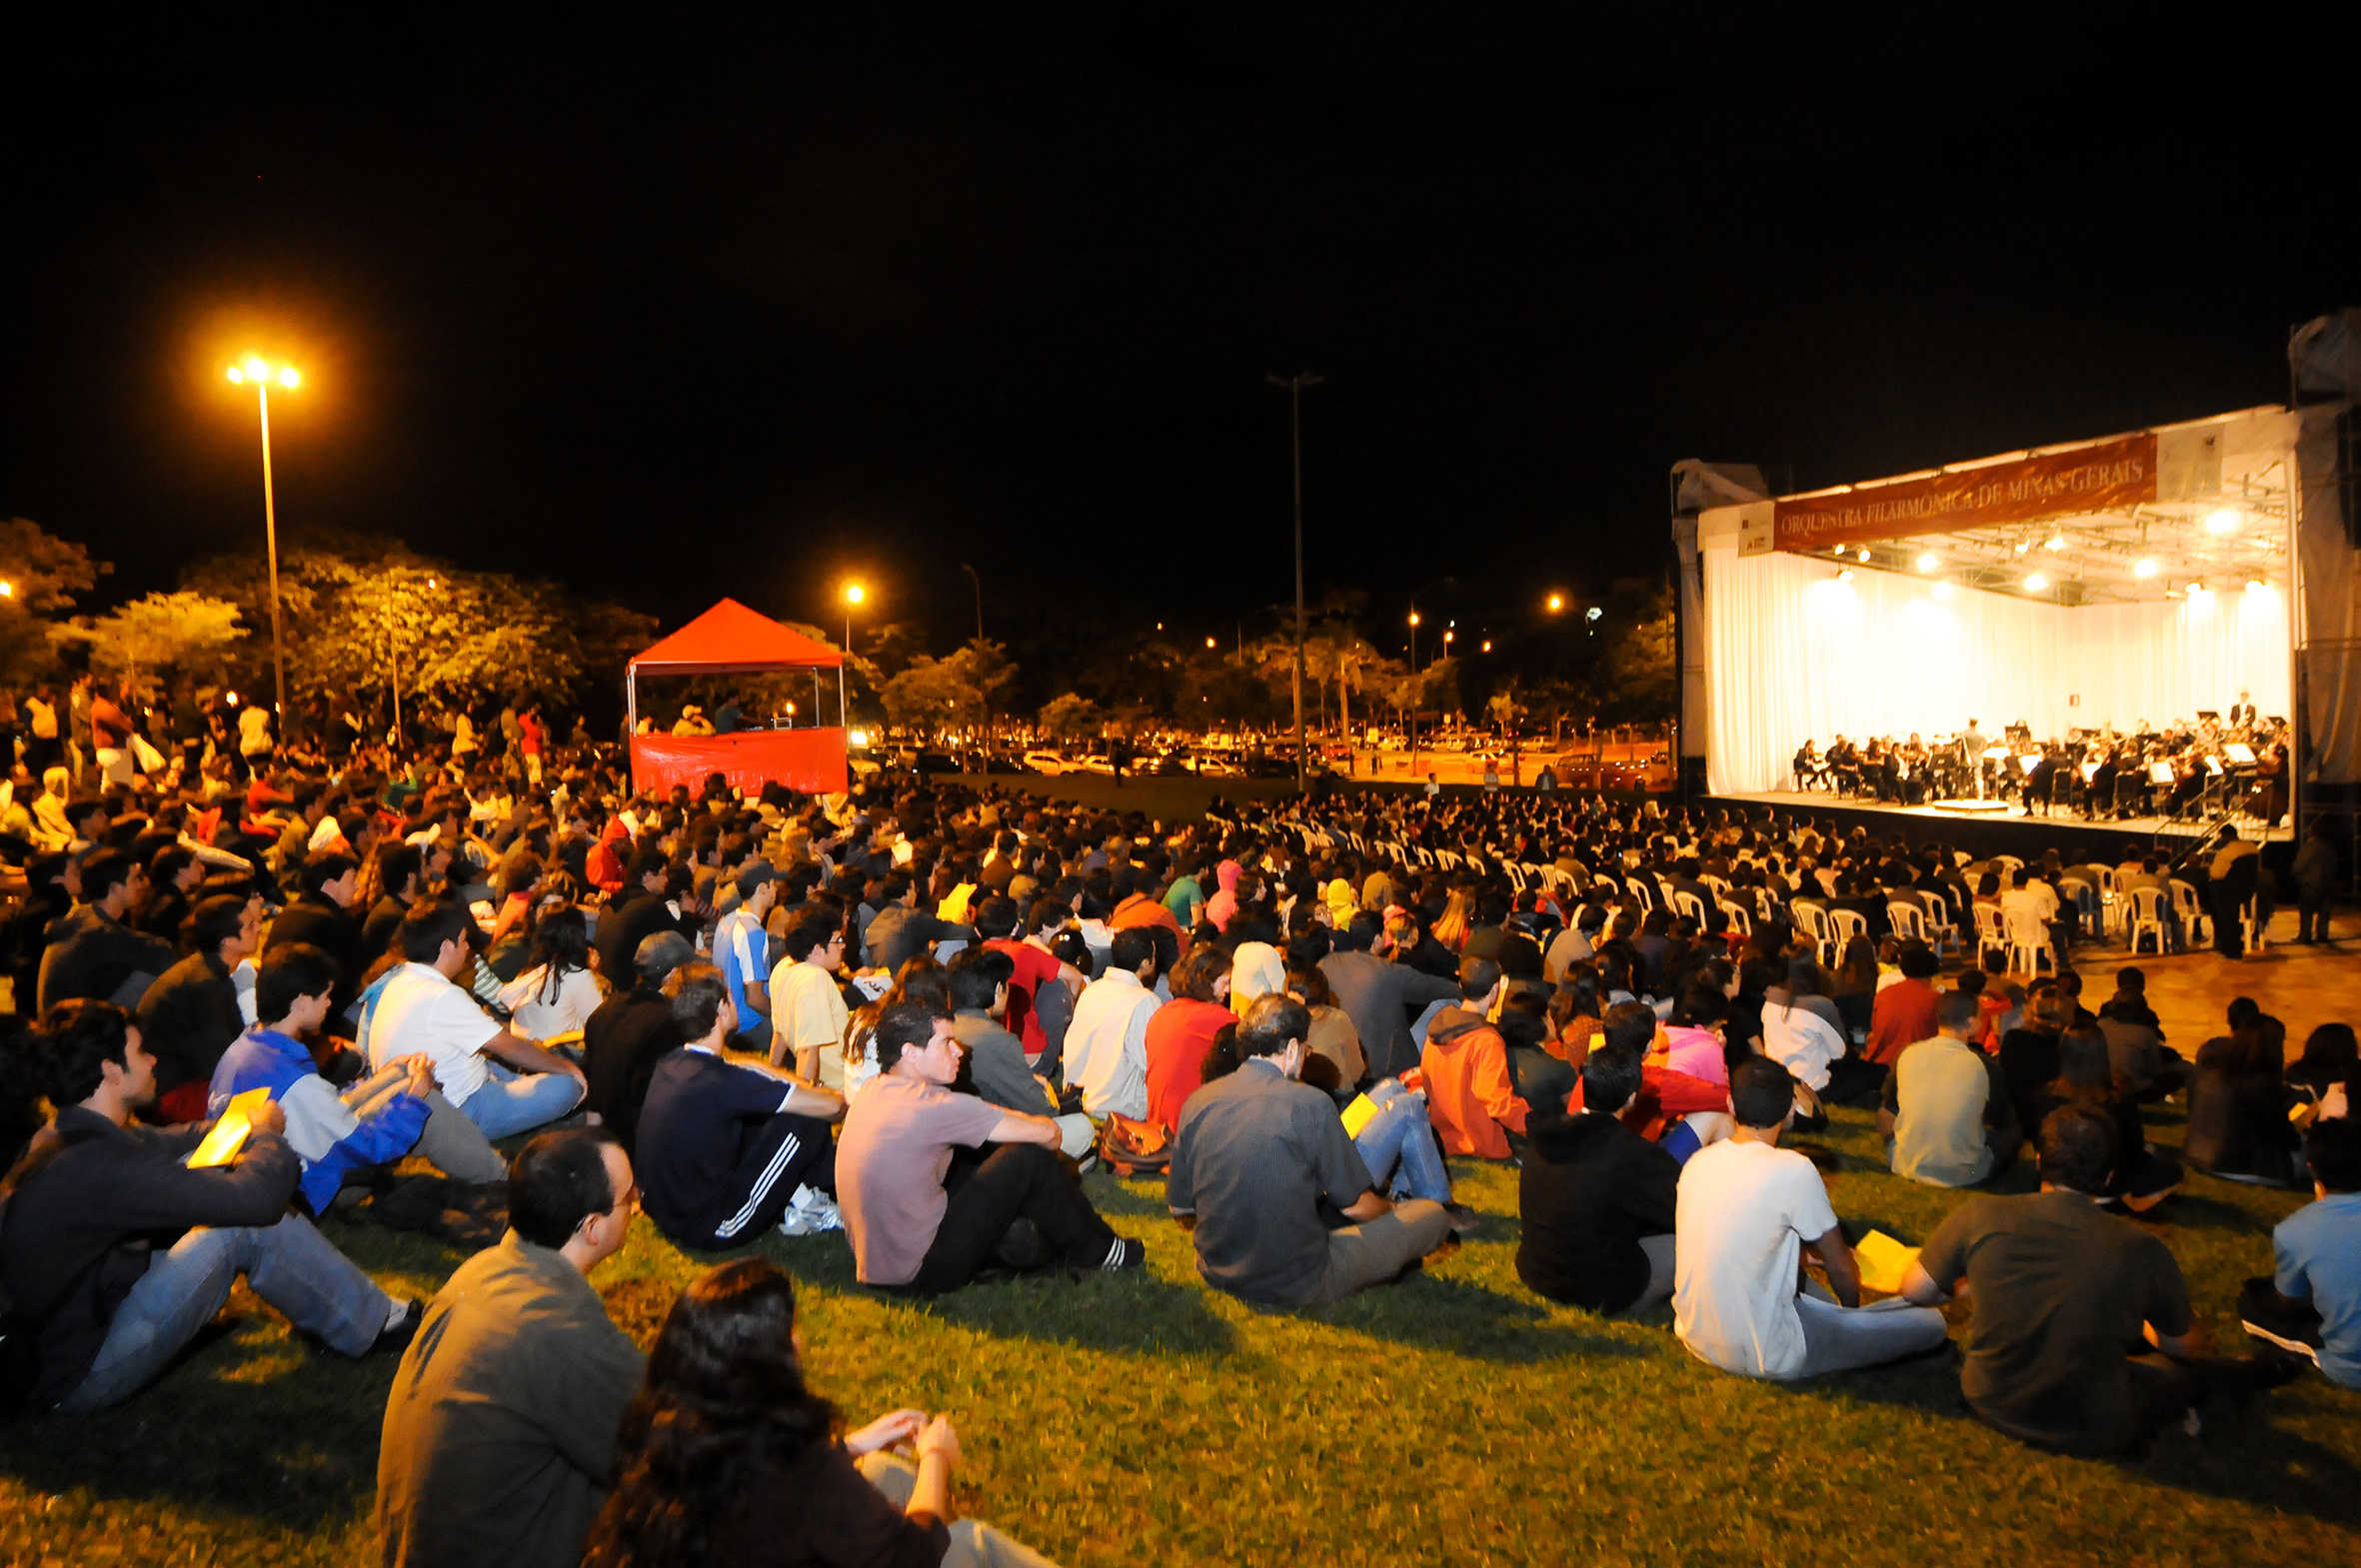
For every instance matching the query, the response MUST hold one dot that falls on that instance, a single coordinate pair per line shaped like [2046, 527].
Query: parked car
[1044, 760]
[1095, 762]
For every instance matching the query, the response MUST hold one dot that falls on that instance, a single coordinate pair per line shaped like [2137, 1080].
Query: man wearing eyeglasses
[500, 1429]
[808, 1013]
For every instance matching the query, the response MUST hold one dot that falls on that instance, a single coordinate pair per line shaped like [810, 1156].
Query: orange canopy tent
[733, 640]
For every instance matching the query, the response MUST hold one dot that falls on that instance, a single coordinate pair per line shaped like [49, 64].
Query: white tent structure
[2139, 578]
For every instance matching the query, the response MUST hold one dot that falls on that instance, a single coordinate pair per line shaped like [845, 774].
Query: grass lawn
[1456, 1418]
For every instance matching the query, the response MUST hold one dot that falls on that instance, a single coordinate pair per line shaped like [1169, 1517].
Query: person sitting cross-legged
[499, 1080]
[724, 1145]
[2312, 1302]
[1469, 1092]
[979, 980]
[88, 1202]
[922, 1223]
[1746, 1209]
[500, 1431]
[1946, 1113]
[338, 1136]
[1597, 1200]
[2061, 1290]
[1257, 1154]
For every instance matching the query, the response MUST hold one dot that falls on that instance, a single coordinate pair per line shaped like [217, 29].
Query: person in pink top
[1223, 907]
[1694, 1041]
[1181, 1031]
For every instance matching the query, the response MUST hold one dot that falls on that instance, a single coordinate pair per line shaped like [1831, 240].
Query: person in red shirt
[1469, 1096]
[1183, 1029]
[1904, 1013]
[1135, 906]
[995, 921]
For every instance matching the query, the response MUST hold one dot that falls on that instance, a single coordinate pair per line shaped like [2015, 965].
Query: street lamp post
[852, 597]
[1296, 384]
[260, 373]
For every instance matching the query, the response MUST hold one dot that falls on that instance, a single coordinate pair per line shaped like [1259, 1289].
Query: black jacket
[622, 1042]
[91, 955]
[623, 928]
[1591, 1188]
[313, 919]
[188, 1019]
[110, 1198]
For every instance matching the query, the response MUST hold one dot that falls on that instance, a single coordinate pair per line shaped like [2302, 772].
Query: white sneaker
[810, 1212]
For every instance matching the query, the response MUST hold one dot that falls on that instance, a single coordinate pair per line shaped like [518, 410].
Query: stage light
[2036, 581]
[1928, 562]
[2144, 570]
[1864, 554]
[2024, 545]
[2057, 542]
[2222, 522]
[2254, 584]
[2196, 588]
[1846, 575]
[1942, 591]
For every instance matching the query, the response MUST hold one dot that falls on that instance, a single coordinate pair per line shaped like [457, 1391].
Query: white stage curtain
[1793, 653]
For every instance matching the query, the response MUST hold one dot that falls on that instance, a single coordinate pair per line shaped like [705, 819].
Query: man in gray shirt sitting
[1258, 1154]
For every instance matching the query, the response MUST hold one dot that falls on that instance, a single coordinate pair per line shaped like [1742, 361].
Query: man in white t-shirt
[498, 1079]
[1746, 1209]
[1106, 1043]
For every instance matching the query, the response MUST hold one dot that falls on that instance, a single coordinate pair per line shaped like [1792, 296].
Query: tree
[43, 574]
[1068, 716]
[178, 632]
[1641, 682]
[932, 696]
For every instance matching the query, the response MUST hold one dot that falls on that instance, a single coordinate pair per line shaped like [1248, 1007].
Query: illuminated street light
[1209, 641]
[1413, 617]
[1488, 647]
[853, 596]
[1556, 602]
[252, 369]
[7, 590]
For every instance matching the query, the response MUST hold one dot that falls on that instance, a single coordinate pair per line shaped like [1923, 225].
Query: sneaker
[1126, 1253]
[810, 1212]
[401, 1326]
[1463, 1219]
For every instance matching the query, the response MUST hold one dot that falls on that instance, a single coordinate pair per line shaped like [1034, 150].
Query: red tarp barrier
[811, 760]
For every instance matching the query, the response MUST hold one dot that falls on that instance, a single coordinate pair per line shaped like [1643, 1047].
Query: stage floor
[1821, 803]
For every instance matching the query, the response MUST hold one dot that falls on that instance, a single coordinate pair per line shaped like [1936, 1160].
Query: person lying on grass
[1258, 1152]
[726, 1456]
[922, 1223]
[2059, 1286]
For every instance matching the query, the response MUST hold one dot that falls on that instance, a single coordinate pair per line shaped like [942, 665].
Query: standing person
[498, 1434]
[923, 1225]
[725, 1456]
[90, 1199]
[255, 739]
[2060, 1288]
[43, 749]
[78, 701]
[1746, 1209]
[110, 735]
[530, 737]
[2315, 883]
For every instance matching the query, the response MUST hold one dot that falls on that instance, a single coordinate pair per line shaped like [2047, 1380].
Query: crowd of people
[913, 1016]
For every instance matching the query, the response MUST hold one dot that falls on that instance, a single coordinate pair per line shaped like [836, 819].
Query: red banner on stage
[2097, 478]
[811, 760]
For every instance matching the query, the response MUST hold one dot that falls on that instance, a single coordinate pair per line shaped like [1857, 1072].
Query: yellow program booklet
[230, 1133]
[1883, 1261]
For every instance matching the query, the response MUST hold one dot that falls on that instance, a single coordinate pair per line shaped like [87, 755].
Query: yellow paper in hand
[1883, 1261]
[229, 1134]
[1357, 1114]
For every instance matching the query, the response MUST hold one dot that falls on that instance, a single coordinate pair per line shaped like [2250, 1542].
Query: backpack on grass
[1134, 1148]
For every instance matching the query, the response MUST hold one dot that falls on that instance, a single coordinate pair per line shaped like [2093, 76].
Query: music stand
[2240, 754]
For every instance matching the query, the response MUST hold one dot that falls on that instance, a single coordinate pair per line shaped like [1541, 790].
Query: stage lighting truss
[2143, 554]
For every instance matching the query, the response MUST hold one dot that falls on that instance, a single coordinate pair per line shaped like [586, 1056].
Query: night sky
[669, 310]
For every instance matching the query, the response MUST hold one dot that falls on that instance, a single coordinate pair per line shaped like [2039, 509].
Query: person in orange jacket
[1469, 1096]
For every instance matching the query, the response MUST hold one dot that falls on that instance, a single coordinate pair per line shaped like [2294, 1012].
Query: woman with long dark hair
[2141, 1178]
[725, 1456]
[559, 992]
[2238, 1127]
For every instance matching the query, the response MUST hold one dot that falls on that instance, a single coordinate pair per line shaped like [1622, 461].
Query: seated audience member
[1334, 1037]
[2028, 1053]
[726, 1456]
[1904, 1011]
[190, 1015]
[1106, 1043]
[1469, 1093]
[499, 1436]
[2141, 1178]
[95, 1198]
[556, 993]
[1746, 1209]
[1381, 997]
[629, 1034]
[922, 1223]
[1181, 1031]
[498, 1079]
[2135, 1040]
[2312, 1303]
[808, 1013]
[2238, 1127]
[2060, 1291]
[1258, 1152]
[1539, 1076]
[1597, 1199]
[90, 953]
[1801, 992]
[321, 915]
[742, 946]
[998, 920]
[338, 1136]
[979, 995]
[1946, 1113]
[723, 1145]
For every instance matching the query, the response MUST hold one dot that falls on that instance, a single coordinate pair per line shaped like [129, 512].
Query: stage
[1996, 832]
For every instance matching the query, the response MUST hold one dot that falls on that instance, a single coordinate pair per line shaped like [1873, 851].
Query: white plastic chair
[1990, 938]
[2194, 919]
[1909, 922]
[1641, 891]
[1690, 906]
[1848, 923]
[2146, 917]
[2250, 929]
[1737, 917]
[2111, 898]
[1812, 921]
[2027, 938]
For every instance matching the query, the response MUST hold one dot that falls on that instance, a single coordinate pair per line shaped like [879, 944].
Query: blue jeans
[1398, 1133]
[289, 1264]
[511, 1101]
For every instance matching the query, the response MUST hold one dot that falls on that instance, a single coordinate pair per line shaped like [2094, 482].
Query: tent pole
[631, 698]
